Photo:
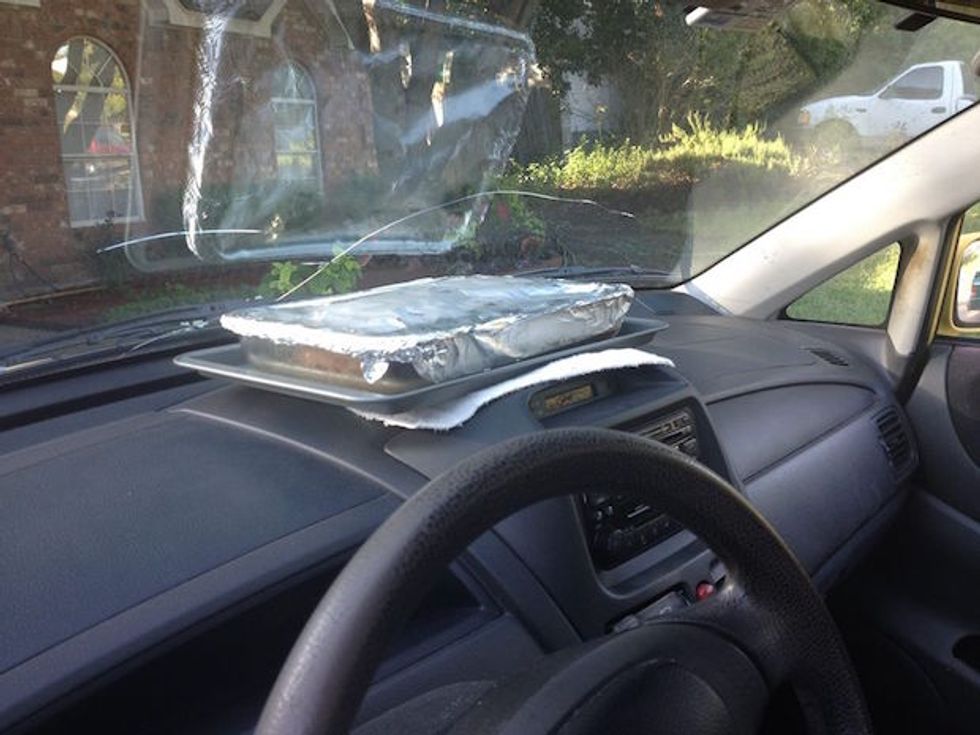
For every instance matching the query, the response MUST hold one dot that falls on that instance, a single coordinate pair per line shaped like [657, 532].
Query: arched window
[95, 124]
[297, 139]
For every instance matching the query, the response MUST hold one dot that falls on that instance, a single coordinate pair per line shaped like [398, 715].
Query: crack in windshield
[459, 200]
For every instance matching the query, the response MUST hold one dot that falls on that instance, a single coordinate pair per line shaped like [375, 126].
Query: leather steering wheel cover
[321, 685]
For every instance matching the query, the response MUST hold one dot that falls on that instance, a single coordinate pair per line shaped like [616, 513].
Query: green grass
[860, 295]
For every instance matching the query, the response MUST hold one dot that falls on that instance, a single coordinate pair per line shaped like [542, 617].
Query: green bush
[592, 166]
[340, 276]
[701, 145]
[684, 154]
[511, 234]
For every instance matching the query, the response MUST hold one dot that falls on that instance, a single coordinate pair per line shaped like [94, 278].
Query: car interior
[775, 530]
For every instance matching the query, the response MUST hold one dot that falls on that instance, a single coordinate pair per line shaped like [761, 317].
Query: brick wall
[161, 63]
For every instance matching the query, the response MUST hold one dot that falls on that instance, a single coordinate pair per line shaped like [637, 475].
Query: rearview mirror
[968, 287]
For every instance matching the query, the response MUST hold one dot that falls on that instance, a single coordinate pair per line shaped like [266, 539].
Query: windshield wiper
[86, 345]
[632, 275]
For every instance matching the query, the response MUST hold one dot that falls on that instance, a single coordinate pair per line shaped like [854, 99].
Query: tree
[643, 48]
[662, 69]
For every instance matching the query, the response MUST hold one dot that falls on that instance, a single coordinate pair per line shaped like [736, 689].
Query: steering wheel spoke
[684, 678]
[765, 626]
[736, 616]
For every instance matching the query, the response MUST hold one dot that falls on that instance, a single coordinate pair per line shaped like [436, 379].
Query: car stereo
[619, 527]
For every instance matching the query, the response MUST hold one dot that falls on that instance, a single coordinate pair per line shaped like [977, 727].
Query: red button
[703, 591]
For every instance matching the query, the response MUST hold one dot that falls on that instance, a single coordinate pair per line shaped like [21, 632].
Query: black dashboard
[163, 539]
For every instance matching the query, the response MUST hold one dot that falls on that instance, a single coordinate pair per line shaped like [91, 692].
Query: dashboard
[163, 540]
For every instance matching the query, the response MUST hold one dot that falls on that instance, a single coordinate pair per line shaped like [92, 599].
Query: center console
[619, 527]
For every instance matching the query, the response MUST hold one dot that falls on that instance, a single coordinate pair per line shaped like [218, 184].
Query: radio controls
[620, 527]
[615, 539]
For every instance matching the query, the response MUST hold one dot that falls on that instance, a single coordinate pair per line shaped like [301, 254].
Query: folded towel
[457, 411]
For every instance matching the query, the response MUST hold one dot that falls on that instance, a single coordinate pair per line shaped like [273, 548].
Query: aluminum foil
[443, 328]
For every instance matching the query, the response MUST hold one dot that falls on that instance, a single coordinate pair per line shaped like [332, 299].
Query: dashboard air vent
[828, 356]
[894, 440]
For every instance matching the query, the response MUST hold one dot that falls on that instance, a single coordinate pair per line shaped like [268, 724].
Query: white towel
[455, 412]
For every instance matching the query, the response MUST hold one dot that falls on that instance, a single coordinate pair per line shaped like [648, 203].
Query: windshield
[182, 153]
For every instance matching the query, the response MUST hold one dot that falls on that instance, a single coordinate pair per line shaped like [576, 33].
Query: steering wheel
[710, 669]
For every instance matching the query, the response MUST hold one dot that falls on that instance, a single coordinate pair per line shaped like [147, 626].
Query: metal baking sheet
[230, 362]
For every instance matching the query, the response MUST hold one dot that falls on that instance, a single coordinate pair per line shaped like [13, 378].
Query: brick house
[97, 103]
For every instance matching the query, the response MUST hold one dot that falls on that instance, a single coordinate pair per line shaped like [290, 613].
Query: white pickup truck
[919, 98]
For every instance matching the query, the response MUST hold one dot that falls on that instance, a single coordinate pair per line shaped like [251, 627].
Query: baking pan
[229, 361]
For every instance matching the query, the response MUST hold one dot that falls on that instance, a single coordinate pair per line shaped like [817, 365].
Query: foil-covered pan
[427, 331]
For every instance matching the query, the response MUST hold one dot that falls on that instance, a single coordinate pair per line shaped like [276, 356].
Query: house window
[297, 142]
[95, 125]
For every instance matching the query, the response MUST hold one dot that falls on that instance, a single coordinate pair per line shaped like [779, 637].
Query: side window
[297, 138]
[924, 83]
[860, 295]
[95, 126]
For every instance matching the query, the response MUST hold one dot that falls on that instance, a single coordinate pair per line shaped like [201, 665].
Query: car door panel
[912, 613]
[940, 410]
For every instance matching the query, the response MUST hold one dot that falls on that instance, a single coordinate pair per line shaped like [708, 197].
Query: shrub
[701, 145]
[340, 276]
[683, 154]
[595, 166]
[510, 234]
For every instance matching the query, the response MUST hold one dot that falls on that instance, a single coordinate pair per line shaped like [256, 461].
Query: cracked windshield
[166, 160]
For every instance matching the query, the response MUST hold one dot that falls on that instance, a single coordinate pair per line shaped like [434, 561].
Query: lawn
[860, 295]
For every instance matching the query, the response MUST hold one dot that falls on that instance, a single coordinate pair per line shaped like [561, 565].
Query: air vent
[894, 440]
[828, 356]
